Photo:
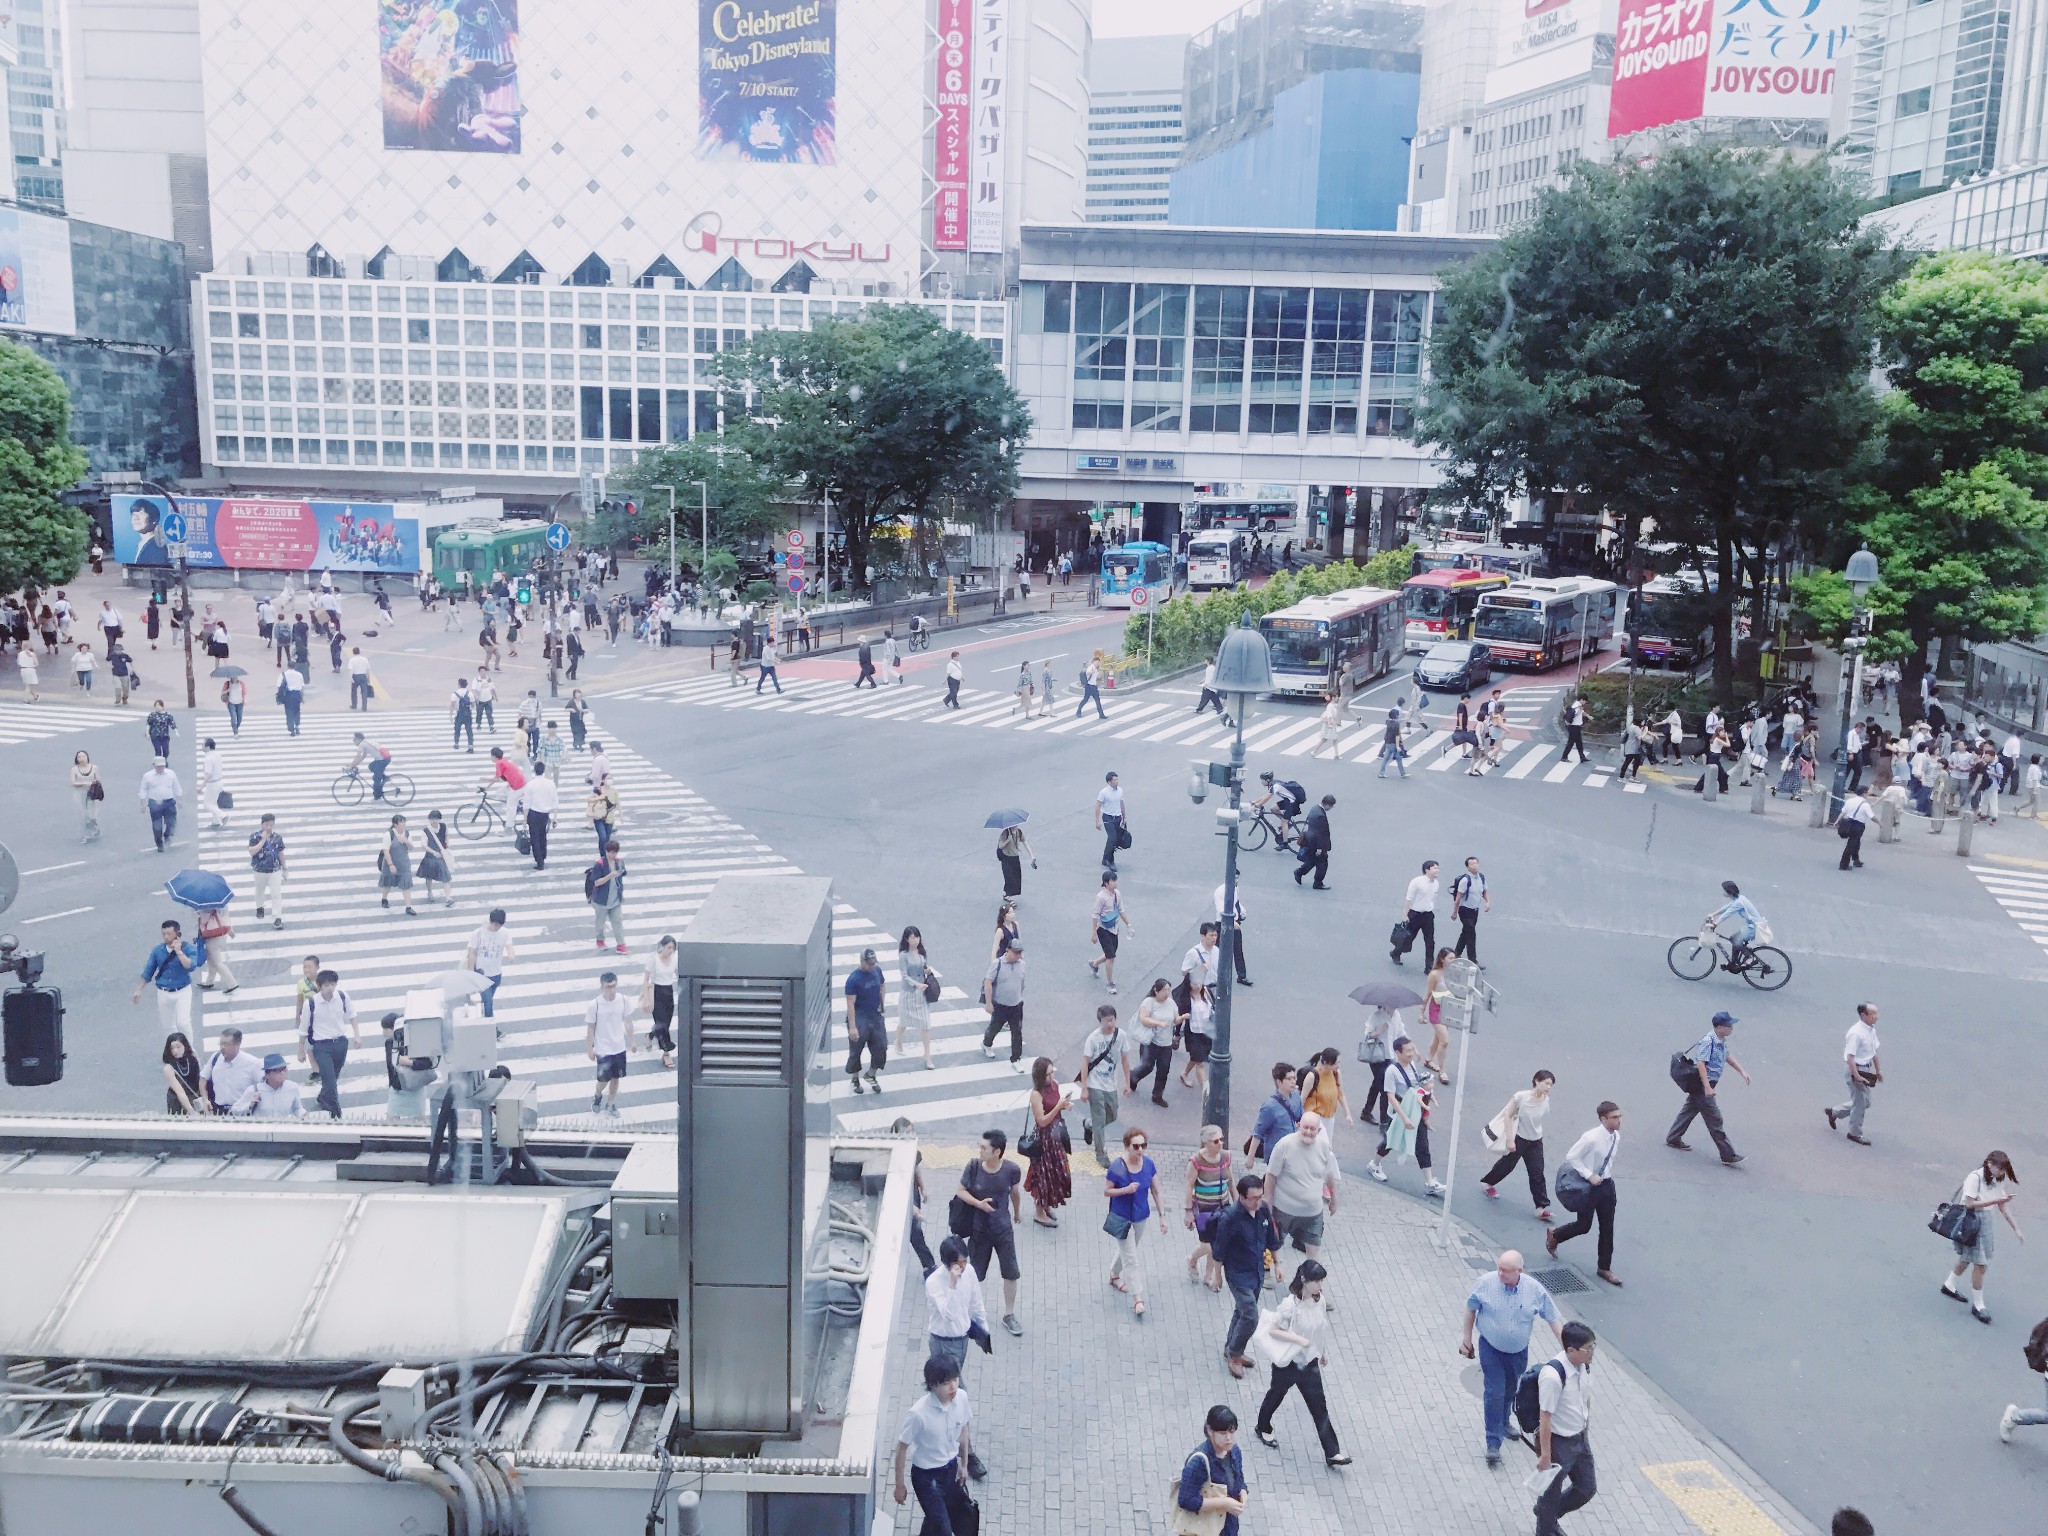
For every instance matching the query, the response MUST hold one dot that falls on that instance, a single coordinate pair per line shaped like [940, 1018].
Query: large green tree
[1953, 505]
[1687, 341]
[41, 539]
[739, 494]
[891, 413]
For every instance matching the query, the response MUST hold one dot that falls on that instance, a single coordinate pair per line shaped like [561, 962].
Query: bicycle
[1763, 966]
[352, 786]
[921, 639]
[1252, 835]
[480, 820]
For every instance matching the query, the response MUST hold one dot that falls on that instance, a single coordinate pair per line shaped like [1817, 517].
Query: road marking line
[1560, 773]
[1597, 780]
[1526, 763]
[51, 917]
[1635, 789]
[1712, 1503]
[50, 869]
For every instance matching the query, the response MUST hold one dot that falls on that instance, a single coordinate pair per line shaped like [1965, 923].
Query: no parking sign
[1140, 597]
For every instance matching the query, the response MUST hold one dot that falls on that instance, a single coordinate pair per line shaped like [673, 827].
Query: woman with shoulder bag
[1988, 1188]
[1012, 849]
[1208, 1198]
[86, 792]
[917, 981]
[1048, 1179]
[434, 867]
[1296, 1341]
[1376, 1051]
[1132, 1185]
[1212, 1493]
[1517, 1134]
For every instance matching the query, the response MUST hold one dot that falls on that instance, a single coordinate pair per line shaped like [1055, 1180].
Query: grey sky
[1149, 18]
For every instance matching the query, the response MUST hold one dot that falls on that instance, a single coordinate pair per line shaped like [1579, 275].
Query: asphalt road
[1789, 1306]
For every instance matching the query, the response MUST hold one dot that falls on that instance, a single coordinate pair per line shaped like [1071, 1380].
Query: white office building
[1930, 82]
[1135, 127]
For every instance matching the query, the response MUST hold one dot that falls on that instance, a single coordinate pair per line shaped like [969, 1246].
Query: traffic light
[632, 508]
[524, 591]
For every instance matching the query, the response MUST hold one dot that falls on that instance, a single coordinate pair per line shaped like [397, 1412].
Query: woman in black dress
[434, 864]
[182, 1093]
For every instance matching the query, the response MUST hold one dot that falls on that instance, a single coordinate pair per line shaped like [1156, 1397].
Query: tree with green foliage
[892, 414]
[1187, 628]
[41, 539]
[1953, 504]
[741, 494]
[1687, 341]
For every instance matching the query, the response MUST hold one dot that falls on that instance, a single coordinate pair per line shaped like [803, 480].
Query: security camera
[1198, 779]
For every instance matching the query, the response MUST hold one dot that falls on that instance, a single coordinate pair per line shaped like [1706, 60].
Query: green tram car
[485, 549]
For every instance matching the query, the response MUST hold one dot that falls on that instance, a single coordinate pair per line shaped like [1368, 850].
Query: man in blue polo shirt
[1700, 1079]
[1503, 1308]
[864, 1026]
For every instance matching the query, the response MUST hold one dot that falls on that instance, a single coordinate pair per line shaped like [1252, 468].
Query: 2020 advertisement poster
[269, 534]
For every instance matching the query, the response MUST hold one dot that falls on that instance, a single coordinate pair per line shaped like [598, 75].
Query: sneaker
[621, 948]
[1016, 1328]
[1493, 1458]
[1341, 1459]
[989, 1051]
[600, 946]
[1017, 1065]
[2006, 1421]
[1434, 1190]
[856, 1085]
[874, 1082]
[611, 1111]
[596, 1102]
[259, 911]
[277, 922]
[1376, 1171]
[1491, 1192]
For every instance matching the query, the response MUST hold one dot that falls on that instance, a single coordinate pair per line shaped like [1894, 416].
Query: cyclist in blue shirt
[1737, 922]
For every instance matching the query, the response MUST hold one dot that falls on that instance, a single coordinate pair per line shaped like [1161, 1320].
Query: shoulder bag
[1188, 1522]
[931, 985]
[1574, 1189]
[1028, 1141]
[1956, 1221]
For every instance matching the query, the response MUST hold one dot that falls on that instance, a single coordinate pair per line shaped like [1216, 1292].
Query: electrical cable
[469, 1507]
[231, 1496]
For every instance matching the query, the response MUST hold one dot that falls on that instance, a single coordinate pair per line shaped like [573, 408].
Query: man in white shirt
[159, 795]
[291, 693]
[542, 800]
[1564, 1393]
[608, 1036]
[1593, 1155]
[110, 624]
[358, 679]
[1301, 1183]
[1419, 913]
[936, 1443]
[230, 1072]
[327, 1027]
[954, 673]
[953, 1293]
[1856, 815]
[1864, 1071]
[275, 1098]
[1109, 818]
[489, 948]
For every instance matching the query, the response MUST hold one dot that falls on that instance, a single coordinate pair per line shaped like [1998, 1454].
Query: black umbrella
[228, 669]
[1001, 819]
[1386, 994]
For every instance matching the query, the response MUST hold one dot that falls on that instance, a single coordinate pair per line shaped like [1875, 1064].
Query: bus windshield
[1671, 613]
[1429, 602]
[1299, 650]
[1520, 624]
[1121, 567]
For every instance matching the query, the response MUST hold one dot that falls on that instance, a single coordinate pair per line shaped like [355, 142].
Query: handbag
[1957, 1222]
[95, 790]
[1402, 936]
[1123, 835]
[225, 800]
[1189, 1522]
[931, 985]
[1117, 1226]
[1029, 1141]
[960, 1217]
[523, 841]
[1574, 1189]
[1373, 1050]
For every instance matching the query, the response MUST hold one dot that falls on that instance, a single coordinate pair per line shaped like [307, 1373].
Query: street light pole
[704, 511]
[1862, 573]
[671, 532]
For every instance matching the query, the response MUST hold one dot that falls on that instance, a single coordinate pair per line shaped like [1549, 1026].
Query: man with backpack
[1562, 1387]
[604, 887]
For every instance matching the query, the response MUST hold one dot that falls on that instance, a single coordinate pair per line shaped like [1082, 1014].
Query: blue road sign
[796, 584]
[172, 527]
[558, 536]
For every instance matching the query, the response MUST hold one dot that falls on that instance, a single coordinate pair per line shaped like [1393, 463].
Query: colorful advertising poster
[449, 72]
[767, 81]
[990, 147]
[35, 273]
[269, 535]
[1777, 58]
[950, 136]
[1660, 64]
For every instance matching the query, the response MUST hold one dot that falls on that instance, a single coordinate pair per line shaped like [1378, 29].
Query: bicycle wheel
[1252, 835]
[398, 789]
[475, 821]
[1769, 968]
[348, 789]
[1691, 958]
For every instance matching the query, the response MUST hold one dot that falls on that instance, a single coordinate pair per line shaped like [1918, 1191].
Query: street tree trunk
[1725, 596]
[1361, 524]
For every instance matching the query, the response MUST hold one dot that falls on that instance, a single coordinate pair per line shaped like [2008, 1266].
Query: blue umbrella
[200, 889]
[1001, 819]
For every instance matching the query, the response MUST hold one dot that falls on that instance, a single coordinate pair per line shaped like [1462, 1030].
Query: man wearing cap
[864, 1023]
[275, 1098]
[159, 795]
[1698, 1072]
[1002, 993]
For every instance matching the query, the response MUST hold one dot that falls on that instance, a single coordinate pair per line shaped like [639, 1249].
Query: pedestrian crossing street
[2022, 892]
[24, 722]
[1153, 715]
[676, 848]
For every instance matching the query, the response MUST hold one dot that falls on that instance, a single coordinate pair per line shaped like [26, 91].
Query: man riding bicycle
[1739, 922]
[1288, 798]
[505, 770]
[918, 638]
[379, 759]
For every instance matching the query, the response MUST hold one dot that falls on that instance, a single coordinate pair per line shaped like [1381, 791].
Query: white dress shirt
[1593, 1154]
[1860, 1046]
[955, 1303]
[1568, 1401]
[264, 1102]
[1422, 893]
[931, 1430]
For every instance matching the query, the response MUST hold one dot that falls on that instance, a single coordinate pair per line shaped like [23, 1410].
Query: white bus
[1537, 625]
[1218, 557]
[1344, 640]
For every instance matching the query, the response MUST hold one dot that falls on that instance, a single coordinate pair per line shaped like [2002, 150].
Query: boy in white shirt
[608, 1036]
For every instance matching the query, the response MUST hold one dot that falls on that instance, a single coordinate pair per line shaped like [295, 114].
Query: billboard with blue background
[269, 534]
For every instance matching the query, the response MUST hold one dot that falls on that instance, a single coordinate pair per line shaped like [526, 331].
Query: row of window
[599, 414]
[530, 458]
[516, 299]
[1157, 156]
[534, 335]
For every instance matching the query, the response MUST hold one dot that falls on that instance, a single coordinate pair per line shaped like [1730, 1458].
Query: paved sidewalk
[1085, 1419]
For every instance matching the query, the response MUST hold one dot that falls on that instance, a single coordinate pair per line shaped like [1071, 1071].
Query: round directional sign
[1140, 597]
[172, 527]
[796, 538]
[558, 536]
[796, 584]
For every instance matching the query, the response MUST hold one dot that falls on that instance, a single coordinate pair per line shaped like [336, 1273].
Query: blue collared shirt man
[1503, 1310]
[1709, 1058]
[1280, 1115]
[169, 969]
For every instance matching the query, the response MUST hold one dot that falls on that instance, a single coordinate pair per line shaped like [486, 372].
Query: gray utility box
[754, 997]
[647, 1244]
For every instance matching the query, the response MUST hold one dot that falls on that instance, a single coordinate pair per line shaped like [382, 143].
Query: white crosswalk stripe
[20, 722]
[677, 848]
[1155, 716]
[2023, 894]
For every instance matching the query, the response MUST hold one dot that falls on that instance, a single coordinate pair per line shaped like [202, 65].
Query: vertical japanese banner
[1777, 58]
[952, 135]
[1660, 64]
[991, 126]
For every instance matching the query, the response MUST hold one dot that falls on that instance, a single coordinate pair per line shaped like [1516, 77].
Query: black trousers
[1530, 1155]
[952, 693]
[1575, 741]
[1601, 1209]
[1574, 1485]
[1468, 934]
[1154, 1061]
[1309, 1378]
[1422, 925]
[1112, 833]
[1422, 1159]
[1316, 859]
[1209, 696]
[1698, 1106]
[1376, 1095]
[1013, 873]
[1852, 846]
[537, 829]
[1237, 942]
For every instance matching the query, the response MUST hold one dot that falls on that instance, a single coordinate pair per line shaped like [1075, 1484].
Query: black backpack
[1528, 1404]
[590, 878]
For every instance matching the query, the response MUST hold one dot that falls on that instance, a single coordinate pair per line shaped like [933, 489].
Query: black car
[1456, 665]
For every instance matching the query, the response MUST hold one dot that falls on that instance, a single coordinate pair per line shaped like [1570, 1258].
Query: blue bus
[1143, 564]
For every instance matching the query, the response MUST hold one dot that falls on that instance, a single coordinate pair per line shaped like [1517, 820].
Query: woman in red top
[1048, 1181]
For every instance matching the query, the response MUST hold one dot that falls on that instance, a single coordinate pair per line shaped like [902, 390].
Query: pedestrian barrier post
[1710, 783]
[1887, 822]
[1966, 823]
[1823, 803]
[1461, 978]
[1757, 787]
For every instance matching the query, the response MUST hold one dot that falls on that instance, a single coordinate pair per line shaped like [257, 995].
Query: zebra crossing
[2023, 893]
[24, 722]
[1154, 715]
[677, 847]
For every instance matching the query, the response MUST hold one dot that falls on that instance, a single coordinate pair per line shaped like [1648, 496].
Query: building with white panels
[1134, 127]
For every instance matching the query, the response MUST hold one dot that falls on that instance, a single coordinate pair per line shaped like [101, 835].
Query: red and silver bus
[1440, 605]
[1341, 641]
[1537, 625]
